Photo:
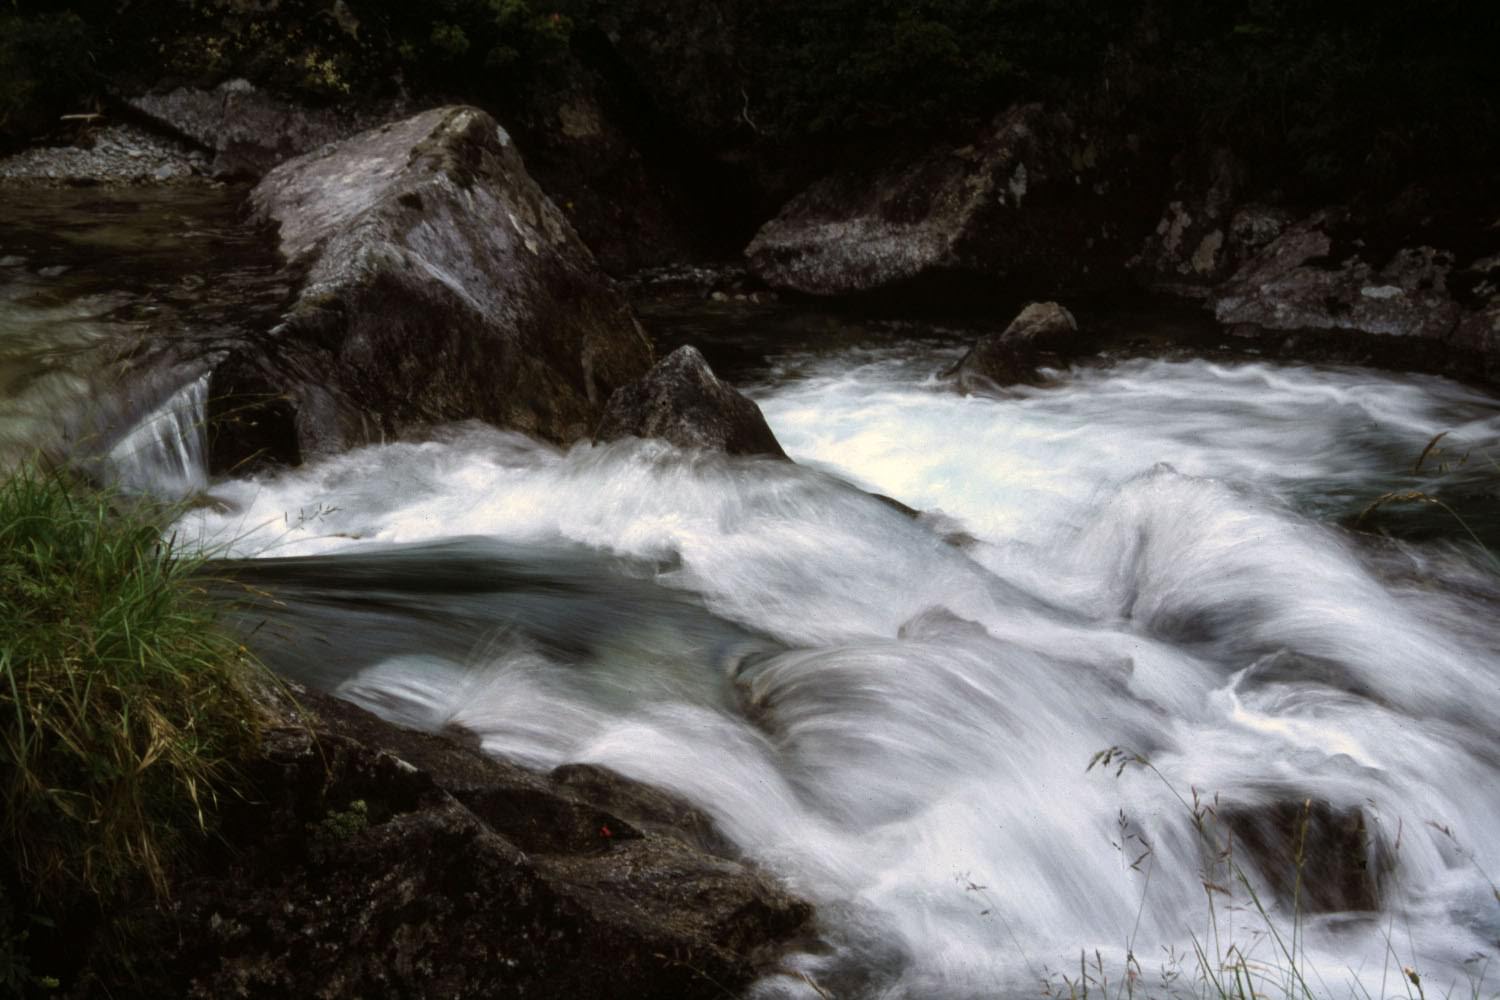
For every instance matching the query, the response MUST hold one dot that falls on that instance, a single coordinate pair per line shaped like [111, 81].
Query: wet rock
[1029, 200]
[1044, 333]
[696, 281]
[248, 131]
[1321, 852]
[649, 808]
[439, 284]
[1478, 331]
[1306, 279]
[1326, 289]
[117, 154]
[681, 400]
[381, 862]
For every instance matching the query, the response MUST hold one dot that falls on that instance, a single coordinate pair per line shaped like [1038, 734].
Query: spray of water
[165, 453]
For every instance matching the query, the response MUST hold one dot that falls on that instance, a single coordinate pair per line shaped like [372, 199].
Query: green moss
[338, 826]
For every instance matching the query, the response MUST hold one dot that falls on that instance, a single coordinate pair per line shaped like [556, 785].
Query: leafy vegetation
[123, 706]
[1327, 92]
[1331, 93]
[62, 57]
[852, 65]
[1337, 91]
[39, 67]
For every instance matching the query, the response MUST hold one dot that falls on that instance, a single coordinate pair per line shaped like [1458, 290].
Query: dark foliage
[1337, 91]
[1327, 93]
[56, 60]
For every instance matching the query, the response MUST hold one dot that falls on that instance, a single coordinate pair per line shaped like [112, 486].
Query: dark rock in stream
[1312, 852]
[382, 862]
[1043, 332]
[682, 401]
[440, 284]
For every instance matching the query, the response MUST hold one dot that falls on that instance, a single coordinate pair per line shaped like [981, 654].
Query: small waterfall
[166, 453]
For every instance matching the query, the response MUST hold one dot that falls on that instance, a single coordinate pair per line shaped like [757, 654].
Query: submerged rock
[1322, 855]
[681, 400]
[381, 862]
[247, 130]
[440, 284]
[1042, 333]
[1029, 200]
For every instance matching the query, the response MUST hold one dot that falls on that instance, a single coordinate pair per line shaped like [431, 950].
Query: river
[1171, 562]
[897, 715]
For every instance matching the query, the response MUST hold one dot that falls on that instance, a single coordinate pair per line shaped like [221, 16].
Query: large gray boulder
[681, 400]
[1031, 199]
[1042, 333]
[438, 283]
[247, 130]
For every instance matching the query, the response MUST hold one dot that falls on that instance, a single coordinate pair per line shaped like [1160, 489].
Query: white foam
[914, 762]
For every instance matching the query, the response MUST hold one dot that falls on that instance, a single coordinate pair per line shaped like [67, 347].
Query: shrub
[853, 65]
[123, 705]
[44, 65]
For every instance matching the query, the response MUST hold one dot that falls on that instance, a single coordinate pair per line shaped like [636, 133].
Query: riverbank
[180, 823]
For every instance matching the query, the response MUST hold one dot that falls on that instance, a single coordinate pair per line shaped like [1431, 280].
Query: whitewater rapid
[896, 714]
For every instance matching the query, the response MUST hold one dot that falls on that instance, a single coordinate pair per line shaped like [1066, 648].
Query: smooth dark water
[110, 302]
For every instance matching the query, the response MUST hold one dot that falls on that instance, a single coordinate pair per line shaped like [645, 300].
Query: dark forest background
[1326, 94]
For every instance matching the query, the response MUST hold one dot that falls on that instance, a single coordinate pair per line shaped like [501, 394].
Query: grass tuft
[124, 707]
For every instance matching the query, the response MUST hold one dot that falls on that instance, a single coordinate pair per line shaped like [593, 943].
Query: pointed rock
[682, 401]
[438, 283]
[1042, 332]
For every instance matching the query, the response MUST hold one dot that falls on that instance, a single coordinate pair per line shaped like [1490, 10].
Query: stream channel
[895, 715]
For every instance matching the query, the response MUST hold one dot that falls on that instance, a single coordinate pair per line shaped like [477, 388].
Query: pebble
[119, 154]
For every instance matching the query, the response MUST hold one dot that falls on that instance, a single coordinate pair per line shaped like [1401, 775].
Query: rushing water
[896, 715]
[110, 304]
